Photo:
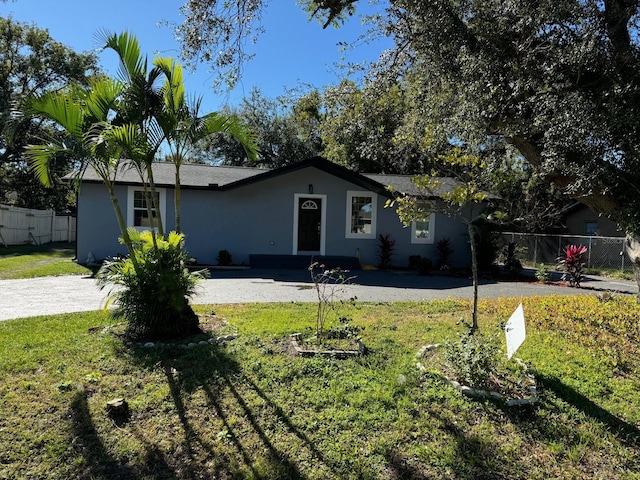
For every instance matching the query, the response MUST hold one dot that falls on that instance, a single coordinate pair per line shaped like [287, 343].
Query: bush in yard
[421, 264]
[153, 298]
[542, 273]
[386, 246]
[473, 360]
[224, 258]
[573, 264]
[512, 264]
[445, 250]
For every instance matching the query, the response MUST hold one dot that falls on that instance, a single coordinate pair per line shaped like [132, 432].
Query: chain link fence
[602, 252]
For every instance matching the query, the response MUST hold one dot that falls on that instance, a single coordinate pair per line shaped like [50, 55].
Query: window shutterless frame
[361, 215]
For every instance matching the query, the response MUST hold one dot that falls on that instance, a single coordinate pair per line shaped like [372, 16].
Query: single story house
[581, 220]
[310, 208]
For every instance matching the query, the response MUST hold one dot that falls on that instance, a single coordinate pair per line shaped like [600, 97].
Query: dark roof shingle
[199, 176]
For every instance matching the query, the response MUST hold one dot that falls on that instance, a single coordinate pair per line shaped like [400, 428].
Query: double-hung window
[361, 214]
[141, 206]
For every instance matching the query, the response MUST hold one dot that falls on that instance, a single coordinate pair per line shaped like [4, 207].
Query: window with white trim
[422, 229]
[361, 214]
[137, 211]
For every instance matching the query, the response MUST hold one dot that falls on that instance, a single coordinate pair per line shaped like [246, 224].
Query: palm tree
[184, 127]
[131, 117]
[135, 127]
[84, 114]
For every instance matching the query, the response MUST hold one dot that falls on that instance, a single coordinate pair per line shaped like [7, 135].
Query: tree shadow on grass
[208, 368]
[279, 413]
[218, 375]
[627, 433]
[477, 457]
[400, 468]
[97, 461]
[197, 375]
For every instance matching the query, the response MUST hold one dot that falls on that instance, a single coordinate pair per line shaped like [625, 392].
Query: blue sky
[292, 52]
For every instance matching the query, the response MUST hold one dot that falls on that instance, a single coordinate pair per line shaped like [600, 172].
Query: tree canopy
[286, 131]
[32, 63]
[556, 79]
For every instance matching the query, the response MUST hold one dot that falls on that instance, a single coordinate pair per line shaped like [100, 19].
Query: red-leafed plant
[573, 264]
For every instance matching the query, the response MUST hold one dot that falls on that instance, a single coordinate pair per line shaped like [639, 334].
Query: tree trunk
[474, 275]
[632, 246]
[177, 199]
[154, 204]
[122, 224]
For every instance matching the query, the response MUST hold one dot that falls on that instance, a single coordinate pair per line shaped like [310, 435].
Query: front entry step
[302, 261]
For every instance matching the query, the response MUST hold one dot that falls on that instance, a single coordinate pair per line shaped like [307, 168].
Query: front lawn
[30, 261]
[248, 409]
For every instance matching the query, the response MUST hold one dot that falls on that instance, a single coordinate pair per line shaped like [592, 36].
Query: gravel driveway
[51, 295]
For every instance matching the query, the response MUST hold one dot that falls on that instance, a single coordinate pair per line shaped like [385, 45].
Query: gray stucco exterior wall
[259, 218]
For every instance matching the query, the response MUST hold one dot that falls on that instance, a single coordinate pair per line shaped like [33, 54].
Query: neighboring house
[313, 207]
[581, 220]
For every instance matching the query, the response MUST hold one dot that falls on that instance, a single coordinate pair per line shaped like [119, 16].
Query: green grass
[250, 410]
[30, 261]
[626, 274]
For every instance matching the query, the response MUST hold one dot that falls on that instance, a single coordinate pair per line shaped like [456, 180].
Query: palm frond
[231, 125]
[126, 45]
[103, 96]
[173, 89]
[39, 158]
[128, 138]
[61, 108]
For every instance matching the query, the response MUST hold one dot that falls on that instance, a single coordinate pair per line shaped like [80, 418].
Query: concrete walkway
[52, 295]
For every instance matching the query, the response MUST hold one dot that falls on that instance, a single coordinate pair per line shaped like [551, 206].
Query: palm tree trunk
[123, 225]
[177, 198]
[152, 186]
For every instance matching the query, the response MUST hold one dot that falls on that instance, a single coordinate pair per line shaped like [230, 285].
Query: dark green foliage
[445, 250]
[372, 128]
[512, 265]
[422, 264]
[286, 132]
[386, 247]
[153, 297]
[224, 258]
[345, 329]
[33, 63]
[488, 242]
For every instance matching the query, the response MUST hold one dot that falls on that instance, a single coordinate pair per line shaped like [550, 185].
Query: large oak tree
[559, 80]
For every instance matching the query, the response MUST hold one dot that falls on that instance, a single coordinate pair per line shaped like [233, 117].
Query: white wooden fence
[19, 226]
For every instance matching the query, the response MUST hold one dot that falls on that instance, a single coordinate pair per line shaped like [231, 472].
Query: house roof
[404, 185]
[199, 176]
[192, 175]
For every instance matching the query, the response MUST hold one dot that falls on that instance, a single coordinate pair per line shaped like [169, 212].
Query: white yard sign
[515, 331]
